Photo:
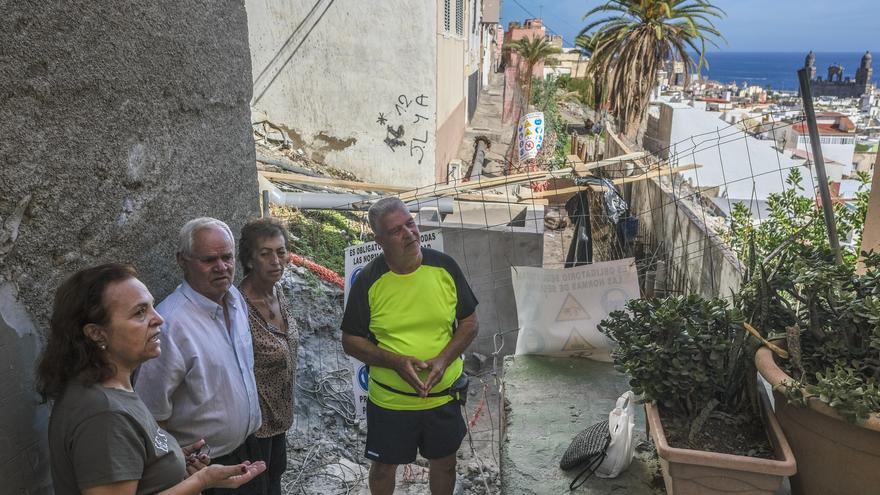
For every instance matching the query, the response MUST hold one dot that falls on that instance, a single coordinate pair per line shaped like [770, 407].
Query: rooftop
[824, 129]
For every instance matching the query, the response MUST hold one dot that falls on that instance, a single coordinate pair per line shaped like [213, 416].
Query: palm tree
[532, 51]
[596, 96]
[638, 37]
[583, 45]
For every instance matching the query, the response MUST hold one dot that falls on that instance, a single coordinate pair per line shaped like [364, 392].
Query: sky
[750, 25]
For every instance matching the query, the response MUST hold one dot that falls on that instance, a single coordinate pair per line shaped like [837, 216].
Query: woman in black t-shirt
[102, 438]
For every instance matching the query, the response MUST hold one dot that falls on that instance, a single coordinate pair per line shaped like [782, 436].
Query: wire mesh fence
[670, 210]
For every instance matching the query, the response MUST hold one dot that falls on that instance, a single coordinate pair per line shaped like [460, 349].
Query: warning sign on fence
[530, 135]
[558, 310]
[356, 258]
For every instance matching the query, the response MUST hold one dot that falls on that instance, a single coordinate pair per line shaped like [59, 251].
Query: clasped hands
[409, 367]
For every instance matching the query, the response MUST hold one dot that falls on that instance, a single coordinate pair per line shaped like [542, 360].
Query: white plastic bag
[621, 426]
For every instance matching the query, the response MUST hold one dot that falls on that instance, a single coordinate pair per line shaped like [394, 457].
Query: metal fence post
[819, 161]
[266, 213]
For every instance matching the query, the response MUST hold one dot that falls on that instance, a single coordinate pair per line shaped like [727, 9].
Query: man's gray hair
[188, 233]
[381, 208]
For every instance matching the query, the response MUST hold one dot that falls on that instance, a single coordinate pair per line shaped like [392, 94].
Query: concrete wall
[681, 253]
[486, 257]
[486, 240]
[118, 122]
[343, 76]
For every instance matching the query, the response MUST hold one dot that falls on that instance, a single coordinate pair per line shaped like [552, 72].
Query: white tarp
[530, 135]
[558, 310]
[356, 258]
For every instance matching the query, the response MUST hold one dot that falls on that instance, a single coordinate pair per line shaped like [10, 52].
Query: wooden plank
[330, 182]
[625, 180]
[655, 173]
[574, 159]
[409, 194]
[498, 198]
[452, 189]
[582, 170]
[527, 194]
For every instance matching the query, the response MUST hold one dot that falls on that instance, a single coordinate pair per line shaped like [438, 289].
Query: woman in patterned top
[102, 438]
[262, 252]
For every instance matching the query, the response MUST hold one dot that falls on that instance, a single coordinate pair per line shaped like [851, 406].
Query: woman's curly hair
[69, 353]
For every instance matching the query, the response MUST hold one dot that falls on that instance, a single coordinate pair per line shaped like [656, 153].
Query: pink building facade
[532, 28]
[514, 66]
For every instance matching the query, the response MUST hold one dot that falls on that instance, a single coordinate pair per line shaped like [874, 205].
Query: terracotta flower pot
[833, 455]
[698, 472]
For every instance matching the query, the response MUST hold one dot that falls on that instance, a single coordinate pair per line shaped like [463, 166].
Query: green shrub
[322, 235]
[546, 99]
[686, 353]
[829, 314]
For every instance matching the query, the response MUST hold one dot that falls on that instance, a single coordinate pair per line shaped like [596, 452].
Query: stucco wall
[118, 122]
[451, 98]
[449, 136]
[342, 76]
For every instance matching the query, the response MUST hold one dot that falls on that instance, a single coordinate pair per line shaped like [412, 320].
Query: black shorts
[394, 436]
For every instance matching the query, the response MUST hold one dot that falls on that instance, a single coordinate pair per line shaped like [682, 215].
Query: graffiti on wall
[406, 125]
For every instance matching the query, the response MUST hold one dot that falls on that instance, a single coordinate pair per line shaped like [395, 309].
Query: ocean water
[779, 69]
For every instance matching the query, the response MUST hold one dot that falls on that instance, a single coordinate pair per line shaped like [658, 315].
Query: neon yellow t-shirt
[412, 314]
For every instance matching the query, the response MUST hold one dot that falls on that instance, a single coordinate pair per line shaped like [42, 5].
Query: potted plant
[828, 317]
[827, 394]
[689, 360]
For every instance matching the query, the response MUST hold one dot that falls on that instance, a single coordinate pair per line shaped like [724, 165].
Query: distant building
[674, 73]
[571, 61]
[836, 84]
[515, 66]
[715, 104]
[837, 133]
[492, 38]
[532, 28]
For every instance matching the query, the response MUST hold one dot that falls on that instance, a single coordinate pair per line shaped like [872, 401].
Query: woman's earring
[102, 346]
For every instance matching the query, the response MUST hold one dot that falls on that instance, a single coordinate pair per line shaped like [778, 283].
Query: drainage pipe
[334, 201]
[285, 165]
[481, 145]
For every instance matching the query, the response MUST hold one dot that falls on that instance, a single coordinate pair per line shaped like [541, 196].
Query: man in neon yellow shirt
[410, 315]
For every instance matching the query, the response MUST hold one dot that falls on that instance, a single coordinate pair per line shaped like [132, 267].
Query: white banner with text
[558, 309]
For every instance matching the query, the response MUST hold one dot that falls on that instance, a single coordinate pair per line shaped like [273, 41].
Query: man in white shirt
[202, 385]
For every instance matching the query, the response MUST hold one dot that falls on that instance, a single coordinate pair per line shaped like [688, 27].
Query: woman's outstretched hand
[217, 476]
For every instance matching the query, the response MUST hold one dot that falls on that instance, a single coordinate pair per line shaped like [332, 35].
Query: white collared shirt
[203, 383]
